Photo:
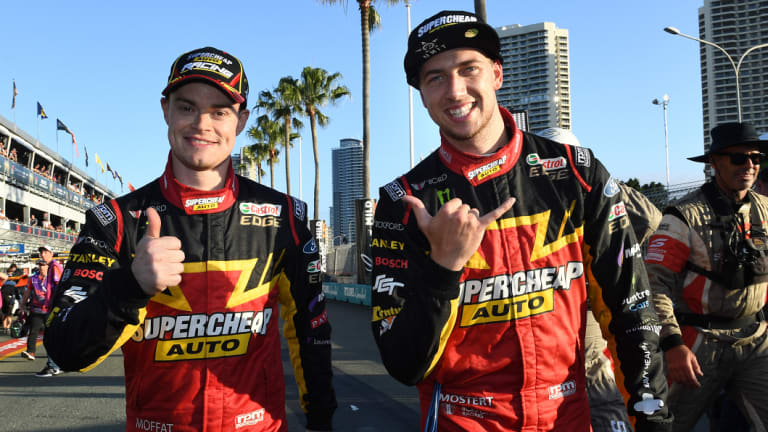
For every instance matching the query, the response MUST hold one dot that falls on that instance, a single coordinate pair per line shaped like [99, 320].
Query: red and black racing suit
[504, 337]
[204, 355]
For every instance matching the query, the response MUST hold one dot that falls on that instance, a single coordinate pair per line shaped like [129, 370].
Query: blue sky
[100, 67]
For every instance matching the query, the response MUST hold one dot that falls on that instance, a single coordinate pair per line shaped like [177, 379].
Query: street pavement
[369, 399]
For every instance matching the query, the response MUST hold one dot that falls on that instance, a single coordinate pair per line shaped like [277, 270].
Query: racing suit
[606, 402]
[721, 324]
[203, 355]
[499, 345]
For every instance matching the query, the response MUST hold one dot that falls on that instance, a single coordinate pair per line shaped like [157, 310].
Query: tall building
[536, 74]
[347, 186]
[736, 26]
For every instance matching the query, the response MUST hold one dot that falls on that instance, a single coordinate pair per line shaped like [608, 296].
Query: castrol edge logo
[547, 164]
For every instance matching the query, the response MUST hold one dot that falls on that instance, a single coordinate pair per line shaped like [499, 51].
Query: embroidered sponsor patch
[104, 214]
[394, 190]
[582, 157]
[617, 211]
[562, 390]
[611, 188]
[260, 209]
[310, 247]
[299, 209]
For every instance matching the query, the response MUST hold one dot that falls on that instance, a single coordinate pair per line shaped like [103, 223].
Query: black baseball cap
[445, 31]
[213, 66]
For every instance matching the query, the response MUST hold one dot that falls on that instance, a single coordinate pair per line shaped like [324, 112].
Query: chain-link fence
[662, 197]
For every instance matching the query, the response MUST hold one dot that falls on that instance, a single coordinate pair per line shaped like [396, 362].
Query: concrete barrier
[350, 293]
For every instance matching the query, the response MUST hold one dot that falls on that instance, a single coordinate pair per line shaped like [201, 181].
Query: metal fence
[661, 196]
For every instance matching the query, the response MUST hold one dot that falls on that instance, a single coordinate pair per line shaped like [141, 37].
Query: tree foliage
[656, 192]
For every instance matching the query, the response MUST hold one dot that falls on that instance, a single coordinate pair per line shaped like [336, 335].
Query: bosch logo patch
[88, 274]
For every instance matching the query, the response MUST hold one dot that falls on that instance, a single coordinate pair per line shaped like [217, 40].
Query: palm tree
[267, 132]
[252, 156]
[282, 104]
[369, 21]
[316, 89]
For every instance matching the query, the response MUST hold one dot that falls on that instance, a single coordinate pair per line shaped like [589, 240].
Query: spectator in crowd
[7, 293]
[2, 215]
[12, 156]
[46, 221]
[14, 270]
[36, 300]
[51, 282]
[761, 185]
[32, 220]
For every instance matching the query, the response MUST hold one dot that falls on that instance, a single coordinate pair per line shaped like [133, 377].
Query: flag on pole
[110, 170]
[41, 111]
[130, 187]
[98, 161]
[85, 149]
[61, 126]
[15, 93]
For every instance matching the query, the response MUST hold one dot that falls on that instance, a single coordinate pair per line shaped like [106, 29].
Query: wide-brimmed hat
[731, 135]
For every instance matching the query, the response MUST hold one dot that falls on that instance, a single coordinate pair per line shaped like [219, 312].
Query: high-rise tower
[536, 74]
[347, 186]
[736, 26]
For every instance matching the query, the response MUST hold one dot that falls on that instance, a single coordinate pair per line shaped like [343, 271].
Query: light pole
[736, 66]
[664, 102]
[410, 89]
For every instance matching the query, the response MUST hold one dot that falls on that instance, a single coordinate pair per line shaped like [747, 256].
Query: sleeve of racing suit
[621, 296]
[307, 329]
[668, 251]
[414, 300]
[98, 303]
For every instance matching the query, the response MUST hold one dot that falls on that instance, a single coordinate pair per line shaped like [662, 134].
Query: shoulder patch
[582, 157]
[394, 190]
[299, 209]
[104, 214]
[611, 188]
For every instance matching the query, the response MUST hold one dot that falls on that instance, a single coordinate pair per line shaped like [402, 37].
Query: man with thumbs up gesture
[481, 256]
[188, 273]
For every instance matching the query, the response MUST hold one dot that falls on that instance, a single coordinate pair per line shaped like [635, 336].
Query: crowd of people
[488, 256]
[46, 171]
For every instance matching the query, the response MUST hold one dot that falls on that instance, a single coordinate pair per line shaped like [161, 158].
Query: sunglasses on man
[741, 158]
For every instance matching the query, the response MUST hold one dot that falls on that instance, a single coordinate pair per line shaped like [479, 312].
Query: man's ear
[164, 105]
[498, 75]
[242, 119]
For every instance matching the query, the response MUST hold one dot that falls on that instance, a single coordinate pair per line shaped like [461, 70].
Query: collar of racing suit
[479, 168]
[195, 201]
